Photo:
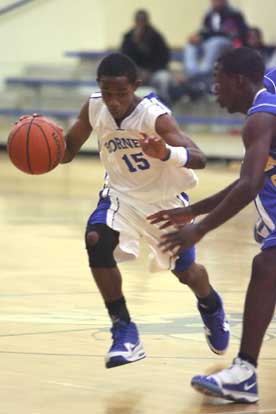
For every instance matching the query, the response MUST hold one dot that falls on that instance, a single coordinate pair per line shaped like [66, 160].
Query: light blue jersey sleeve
[270, 80]
[263, 102]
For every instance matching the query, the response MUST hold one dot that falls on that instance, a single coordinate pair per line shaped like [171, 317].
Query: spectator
[148, 49]
[255, 41]
[223, 27]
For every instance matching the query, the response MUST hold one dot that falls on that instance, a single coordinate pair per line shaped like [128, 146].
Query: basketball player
[148, 162]
[261, 230]
[239, 87]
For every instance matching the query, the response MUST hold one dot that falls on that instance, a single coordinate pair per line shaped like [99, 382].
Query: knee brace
[100, 242]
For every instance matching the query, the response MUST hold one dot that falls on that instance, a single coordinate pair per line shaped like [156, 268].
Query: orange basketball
[36, 144]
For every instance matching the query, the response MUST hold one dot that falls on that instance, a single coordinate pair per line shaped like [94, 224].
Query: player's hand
[194, 39]
[22, 117]
[35, 115]
[181, 215]
[182, 238]
[154, 147]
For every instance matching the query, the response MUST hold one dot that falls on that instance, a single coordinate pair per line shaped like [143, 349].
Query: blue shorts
[129, 219]
[266, 206]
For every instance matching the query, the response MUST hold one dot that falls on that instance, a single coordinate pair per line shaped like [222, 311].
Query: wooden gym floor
[54, 328]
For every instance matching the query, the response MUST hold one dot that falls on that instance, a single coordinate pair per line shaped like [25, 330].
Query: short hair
[118, 64]
[243, 61]
[142, 12]
[257, 30]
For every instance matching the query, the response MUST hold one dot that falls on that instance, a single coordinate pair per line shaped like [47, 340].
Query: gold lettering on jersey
[271, 163]
[273, 180]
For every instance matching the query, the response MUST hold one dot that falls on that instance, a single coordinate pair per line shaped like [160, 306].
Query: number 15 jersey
[130, 172]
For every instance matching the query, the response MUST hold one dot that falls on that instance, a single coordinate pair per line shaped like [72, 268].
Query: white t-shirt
[129, 171]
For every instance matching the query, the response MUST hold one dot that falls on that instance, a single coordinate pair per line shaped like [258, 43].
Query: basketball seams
[47, 144]
[49, 122]
[57, 143]
[11, 137]
[27, 146]
[35, 145]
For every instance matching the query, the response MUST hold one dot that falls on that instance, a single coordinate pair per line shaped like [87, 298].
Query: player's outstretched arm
[178, 216]
[167, 127]
[183, 215]
[257, 137]
[77, 134]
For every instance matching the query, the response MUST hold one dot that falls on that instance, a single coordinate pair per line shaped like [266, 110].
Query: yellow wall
[177, 18]
[43, 30]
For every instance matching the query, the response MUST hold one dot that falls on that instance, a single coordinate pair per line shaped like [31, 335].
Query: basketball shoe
[126, 346]
[237, 383]
[216, 328]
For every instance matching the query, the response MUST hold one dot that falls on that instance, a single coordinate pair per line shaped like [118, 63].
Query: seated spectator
[223, 27]
[255, 41]
[148, 49]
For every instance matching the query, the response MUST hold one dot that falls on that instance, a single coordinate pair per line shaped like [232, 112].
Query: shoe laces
[216, 318]
[119, 332]
[238, 372]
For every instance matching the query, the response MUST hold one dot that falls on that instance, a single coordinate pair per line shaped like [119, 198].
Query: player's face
[225, 89]
[118, 95]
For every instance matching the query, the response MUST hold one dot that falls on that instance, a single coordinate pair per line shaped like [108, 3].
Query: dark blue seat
[38, 82]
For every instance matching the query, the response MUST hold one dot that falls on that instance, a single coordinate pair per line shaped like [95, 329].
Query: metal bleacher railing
[59, 92]
[14, 5]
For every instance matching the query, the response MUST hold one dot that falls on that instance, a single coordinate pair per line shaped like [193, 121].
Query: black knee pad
[100, 250]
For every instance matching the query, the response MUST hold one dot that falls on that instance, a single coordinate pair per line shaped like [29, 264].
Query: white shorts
[128, 216]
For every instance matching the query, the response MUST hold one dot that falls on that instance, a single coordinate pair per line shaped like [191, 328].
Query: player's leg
[209, 302]
[212, 48]
[162, 80]
[100, 244]
[190, 59]
[239, 382]
[259, 304]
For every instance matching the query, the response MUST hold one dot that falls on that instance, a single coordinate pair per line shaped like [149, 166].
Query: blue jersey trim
[153, 95]
[100, 214]
[185, 260]
[264, 102]
[270, 81]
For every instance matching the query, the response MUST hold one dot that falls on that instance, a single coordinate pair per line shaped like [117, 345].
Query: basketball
[36, 144]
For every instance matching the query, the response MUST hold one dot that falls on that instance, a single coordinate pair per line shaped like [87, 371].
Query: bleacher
[58, 92]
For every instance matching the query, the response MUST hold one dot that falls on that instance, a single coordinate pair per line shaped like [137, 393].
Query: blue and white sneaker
[237, 383]
[216, 328]
[126, 346]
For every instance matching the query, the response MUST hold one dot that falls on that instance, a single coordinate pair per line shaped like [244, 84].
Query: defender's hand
[180, 239]
[181, 215]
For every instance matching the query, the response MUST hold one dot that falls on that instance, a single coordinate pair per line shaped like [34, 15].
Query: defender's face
[225, 89]
[117, 94]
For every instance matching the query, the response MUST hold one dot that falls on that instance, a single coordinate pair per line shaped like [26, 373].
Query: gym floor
[54, 327]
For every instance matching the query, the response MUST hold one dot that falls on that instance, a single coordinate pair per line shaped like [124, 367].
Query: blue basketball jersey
[270, 80]
[266, 200]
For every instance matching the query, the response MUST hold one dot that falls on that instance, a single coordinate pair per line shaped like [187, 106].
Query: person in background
[149, 50]
[223, 27]
[255, 40]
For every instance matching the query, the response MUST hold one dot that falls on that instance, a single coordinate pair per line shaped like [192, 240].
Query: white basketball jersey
[129, 170]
